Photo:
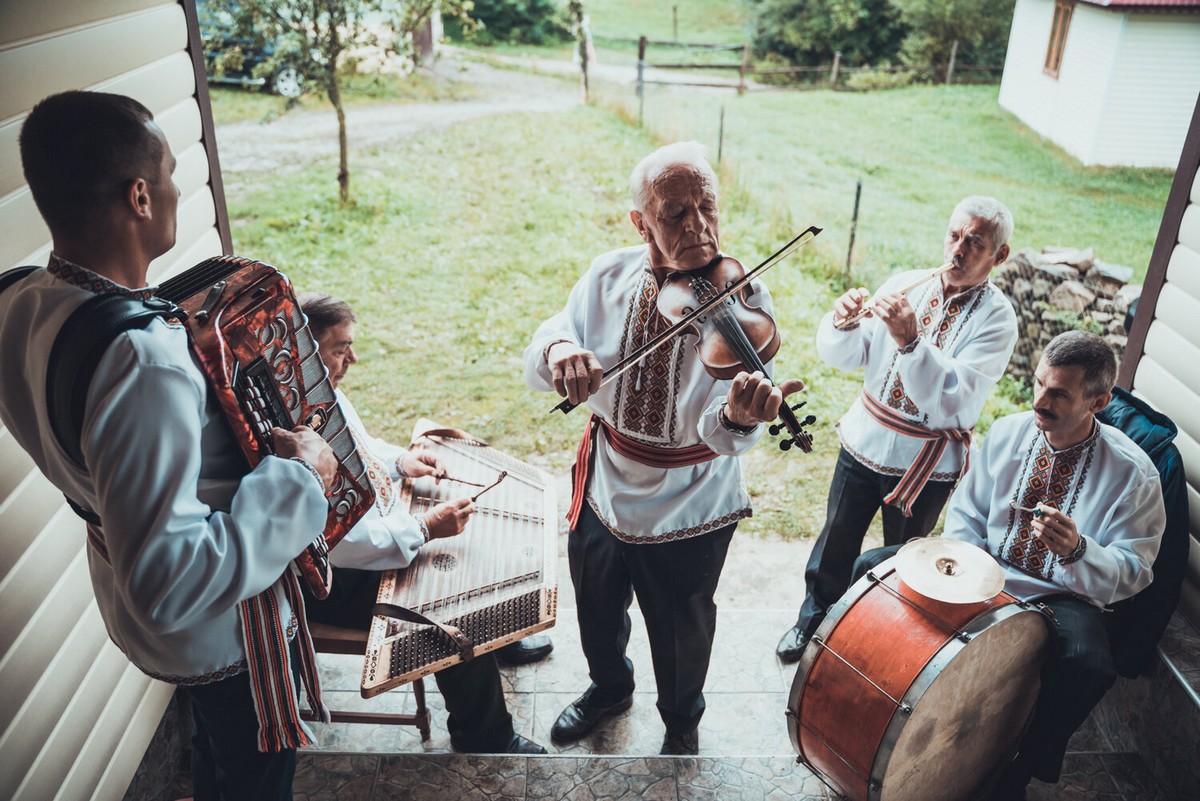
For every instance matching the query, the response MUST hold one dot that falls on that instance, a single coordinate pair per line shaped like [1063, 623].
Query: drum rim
[937, 663]
[808, 658]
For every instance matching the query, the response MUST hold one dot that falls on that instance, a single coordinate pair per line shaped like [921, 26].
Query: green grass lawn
[461, 242]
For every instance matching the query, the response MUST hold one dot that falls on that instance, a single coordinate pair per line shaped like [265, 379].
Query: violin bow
[629, 361]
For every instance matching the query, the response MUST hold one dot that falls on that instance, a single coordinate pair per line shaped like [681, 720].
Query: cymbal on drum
[949, 570]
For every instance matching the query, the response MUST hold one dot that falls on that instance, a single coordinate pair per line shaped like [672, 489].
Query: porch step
[745, 752]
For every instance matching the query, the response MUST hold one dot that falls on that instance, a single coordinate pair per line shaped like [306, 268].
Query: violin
[732, 335]
[793, 426]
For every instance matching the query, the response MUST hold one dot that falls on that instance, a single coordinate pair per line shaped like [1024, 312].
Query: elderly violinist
[658, 484]
[931, 358]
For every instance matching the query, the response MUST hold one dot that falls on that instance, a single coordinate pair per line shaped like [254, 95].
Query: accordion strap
[80, 345]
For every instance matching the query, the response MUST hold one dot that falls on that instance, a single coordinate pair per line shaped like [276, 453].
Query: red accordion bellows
[261, 361]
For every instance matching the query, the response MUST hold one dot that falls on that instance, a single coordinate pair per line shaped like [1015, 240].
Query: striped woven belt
[917, 475]
[630, 449]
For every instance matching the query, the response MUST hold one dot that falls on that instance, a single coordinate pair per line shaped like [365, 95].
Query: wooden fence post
[641, 82]
[950, 66]
[721, 136]
[743, 68]
[853, 231]
[833, 73]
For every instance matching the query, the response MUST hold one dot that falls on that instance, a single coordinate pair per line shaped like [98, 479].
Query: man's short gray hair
[690, 155]
[325, 312]
[1090, 353]
[992, 210]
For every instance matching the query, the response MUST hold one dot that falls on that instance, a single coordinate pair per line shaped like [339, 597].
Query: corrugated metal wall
[75, 716]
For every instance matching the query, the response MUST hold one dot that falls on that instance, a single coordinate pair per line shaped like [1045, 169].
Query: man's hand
[1056, 530]
[307, 444]
[849, 304]
[418, 463]
[898, 315]
[753, 399]
[577, 373]
[448, 519]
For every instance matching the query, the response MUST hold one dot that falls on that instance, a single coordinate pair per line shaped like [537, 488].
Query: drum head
[968, 722]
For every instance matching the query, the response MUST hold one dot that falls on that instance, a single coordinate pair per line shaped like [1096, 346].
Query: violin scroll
[796, 435]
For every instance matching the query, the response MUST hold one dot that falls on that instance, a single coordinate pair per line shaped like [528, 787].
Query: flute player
[930, 356]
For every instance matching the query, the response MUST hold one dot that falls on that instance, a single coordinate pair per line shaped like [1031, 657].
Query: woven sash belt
[279, 724]
[630, 449]
[914, 479]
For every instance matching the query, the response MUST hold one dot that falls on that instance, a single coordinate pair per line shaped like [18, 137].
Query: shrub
[878, 78]
[533, 22]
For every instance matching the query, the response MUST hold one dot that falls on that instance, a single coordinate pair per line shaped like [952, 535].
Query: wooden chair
[335, 640]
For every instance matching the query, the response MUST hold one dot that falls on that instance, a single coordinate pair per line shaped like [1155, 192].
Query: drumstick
[858, 315]
[503, 475]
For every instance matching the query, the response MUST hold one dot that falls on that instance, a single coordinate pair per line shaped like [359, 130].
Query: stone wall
[1060, 289]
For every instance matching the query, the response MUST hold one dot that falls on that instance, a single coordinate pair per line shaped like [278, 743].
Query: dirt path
[299, 138]
[763, 571]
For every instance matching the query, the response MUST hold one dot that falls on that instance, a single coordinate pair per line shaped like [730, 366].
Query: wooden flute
[861, 313]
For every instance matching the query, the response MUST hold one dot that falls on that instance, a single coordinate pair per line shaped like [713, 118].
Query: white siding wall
[1024, 90]
[1167, 375]
[1125, 89]
[1151, 93]
[1067, 109]
[75, 716]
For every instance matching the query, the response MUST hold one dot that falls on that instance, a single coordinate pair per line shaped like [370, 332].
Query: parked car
[223, 45]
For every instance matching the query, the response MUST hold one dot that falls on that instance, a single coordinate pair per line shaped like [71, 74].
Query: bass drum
[900, 697]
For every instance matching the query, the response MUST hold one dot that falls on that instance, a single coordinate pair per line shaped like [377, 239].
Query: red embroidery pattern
[645, 395]
[93, 282]
[952, 319]
[678, 534]
[380, 475]
[1047, 478]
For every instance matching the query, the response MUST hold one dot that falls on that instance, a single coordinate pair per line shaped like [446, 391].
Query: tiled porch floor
[745, 752]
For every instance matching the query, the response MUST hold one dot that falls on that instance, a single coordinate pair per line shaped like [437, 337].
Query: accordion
[492, 584]
[261, 362]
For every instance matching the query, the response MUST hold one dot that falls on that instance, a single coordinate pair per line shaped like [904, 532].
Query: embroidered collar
[1078, 447]
[84, 278]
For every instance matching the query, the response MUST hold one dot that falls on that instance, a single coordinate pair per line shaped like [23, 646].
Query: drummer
[931, 358]
[1073, 511]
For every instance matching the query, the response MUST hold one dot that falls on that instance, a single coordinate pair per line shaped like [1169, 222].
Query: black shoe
[522, 652]
[791, 645]
[582, 715]
[520, 745]
[516, 745]
[681, 744]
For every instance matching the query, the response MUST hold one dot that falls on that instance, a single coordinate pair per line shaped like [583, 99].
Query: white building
[1112, 82]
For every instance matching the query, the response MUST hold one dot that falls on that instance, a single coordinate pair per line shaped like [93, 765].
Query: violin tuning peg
[808, 421]
[774, 429]
[798, 405]
[785, 444]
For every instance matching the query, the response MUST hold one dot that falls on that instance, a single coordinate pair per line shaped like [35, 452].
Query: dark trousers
[226, 762]
[1078, 673]
[675, 583]
[479, 720]
[855, 495]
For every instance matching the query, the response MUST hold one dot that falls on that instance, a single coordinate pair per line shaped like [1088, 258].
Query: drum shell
[857, 698]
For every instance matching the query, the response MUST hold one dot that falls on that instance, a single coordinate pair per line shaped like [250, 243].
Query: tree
[809, 32]
[979, 26]
[317, 34]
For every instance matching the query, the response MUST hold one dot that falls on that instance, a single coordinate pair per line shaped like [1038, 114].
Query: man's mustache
[1046, 414]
